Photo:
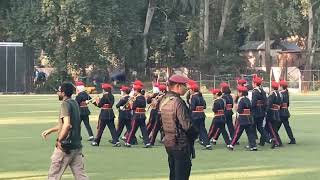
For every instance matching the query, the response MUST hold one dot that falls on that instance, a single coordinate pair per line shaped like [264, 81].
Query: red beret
[138, 82]
[274, 84]
[106, 86]
[257, 80]
[224, 85]
[124, 88]
[194, 87]
[79, 83]
[283, 83]
[215, 91]
[162, 87]
[242, 81]
[178, 79]
[242, 89]
[137, 87]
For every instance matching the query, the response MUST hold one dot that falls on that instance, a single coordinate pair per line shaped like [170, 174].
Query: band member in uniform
[219, 121]
[197, 106]
[83, 99]
[273, 116]
[284, 111]
[188, 93]
[158, 125]
[106, 117]
[124, 111]
[229, 106]
[151, 100]
[139, 117]
[259, 102]
[179, 132]
[245, 120]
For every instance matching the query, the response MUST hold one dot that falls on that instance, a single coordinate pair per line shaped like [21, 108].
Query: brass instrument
[155, 101]
[131, 100]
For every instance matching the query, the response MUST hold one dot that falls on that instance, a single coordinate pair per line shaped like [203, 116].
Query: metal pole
[200, 79]
[313, 88]
[214, 81]
[6, 69]
[15, 69]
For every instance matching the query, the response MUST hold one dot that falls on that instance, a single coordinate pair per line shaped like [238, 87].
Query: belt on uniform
[199, 109]
[284, 105]
[106, 106]
[275, 107]
[229, 107]
[140, 110]
[246, 112]
[219, 113]
[260, 103]
[83, 104]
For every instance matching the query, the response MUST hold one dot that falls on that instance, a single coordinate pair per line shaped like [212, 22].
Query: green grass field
[24, 155]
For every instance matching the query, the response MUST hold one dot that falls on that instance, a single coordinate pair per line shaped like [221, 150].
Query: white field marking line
[6, 138]
[30, 112]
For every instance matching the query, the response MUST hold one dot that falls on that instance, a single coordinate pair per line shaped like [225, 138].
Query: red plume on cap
[178, 79]
[124, 88]
[274, 84]
[257, 80]
[79, 83]
[242, 81]
[242, 89]
[106, 86]
[224, 85]
[215, 91]
[283, 83]
[162, 87]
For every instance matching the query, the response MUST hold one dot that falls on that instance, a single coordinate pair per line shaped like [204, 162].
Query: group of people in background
[252, 110]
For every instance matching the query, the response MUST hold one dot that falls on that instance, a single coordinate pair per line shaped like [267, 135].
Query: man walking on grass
[68, 150]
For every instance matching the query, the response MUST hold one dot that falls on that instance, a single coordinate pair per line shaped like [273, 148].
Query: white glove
[87, 101]
[121, 108]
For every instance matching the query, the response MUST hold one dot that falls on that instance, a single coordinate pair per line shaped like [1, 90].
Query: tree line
[140, 34]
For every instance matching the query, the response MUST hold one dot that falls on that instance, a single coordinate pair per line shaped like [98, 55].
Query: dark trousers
[203, 135]
[249, 131]
[127, 123]
[272, 128]
[216, 129]
[136, 123]
[155, 130]
[230, 125]
[265, 137]
[285, 122]
[179, 164]
[152, 120]
[102, 123]
[85, 120]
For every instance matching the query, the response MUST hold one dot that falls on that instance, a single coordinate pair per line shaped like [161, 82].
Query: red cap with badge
[137, 87]
[242, 89]
[124, 88]
[215, 91]
[257, 80]
[283, 83]
[241, 81]
[224, 85]
[274, 85]
[162, 87]
[194, 87]
[106, 86]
